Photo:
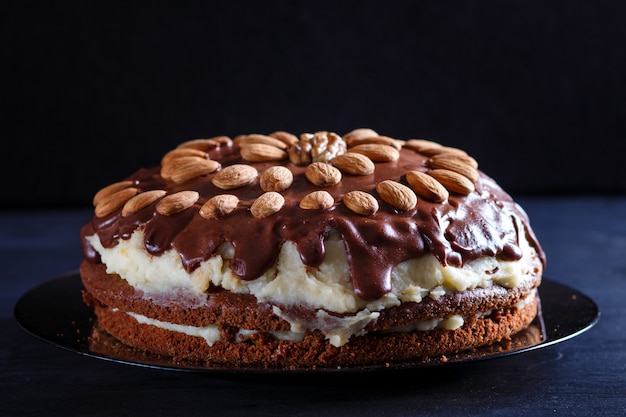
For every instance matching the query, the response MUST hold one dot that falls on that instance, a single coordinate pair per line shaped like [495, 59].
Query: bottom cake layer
[266, 350]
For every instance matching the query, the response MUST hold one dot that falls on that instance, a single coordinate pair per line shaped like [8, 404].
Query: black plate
[54, 312]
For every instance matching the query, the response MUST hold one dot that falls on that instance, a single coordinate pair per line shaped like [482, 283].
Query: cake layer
[266, 350]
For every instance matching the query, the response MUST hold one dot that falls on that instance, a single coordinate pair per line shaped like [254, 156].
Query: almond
[423, 146]
[427, 187]
[110, 189]
[383, 140]
[322, 174]
[177, 202]
[184, 162]
[377, 152]
[194, 168]
[317, 200]
[267, 204]
[360, 133]
[182, 152]
[219, 205]
[234, 176]
[398, 195]
[456, 165]
[361, 202]
[286, 137]
[109, 204]
[453, 181]
[276, 178]
[460, 157]
[141, 201]
[256, 138]
[353, 163]
[206, 144]
[262, 152]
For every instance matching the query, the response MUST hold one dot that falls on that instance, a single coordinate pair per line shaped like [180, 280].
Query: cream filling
[338, 330]
[290, 282]
[211, 333]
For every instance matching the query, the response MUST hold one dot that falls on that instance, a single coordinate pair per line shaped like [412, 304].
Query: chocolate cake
[310, 251]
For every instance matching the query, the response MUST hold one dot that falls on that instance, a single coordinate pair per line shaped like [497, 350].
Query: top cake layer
[388, 200]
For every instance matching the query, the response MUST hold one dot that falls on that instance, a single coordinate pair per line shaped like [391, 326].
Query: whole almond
[141, 201]
[361, 202]
[423, 146]
[177, 202]
[206, 144]
[398, 195]
[353, 163]
[453, 181]
[288, 138]
[317, 200]
[234, 176]
[456, 165]
[322, 174]
[377, 152]
[262, 152]
[427, 187]
[267, 204]
[110, 189]
[109, 204]
[196, 167]
[219, 205]
[359, 133]
[172, 165]
[257, 138]
[276, 178]
[182, 152]
[459, 157]
[383, 140]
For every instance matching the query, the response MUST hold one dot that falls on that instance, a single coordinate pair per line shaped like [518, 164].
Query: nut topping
[398, 195]
[110, 189]
[218, 206]
[286, 137]
[234, 176]
[262, 152]
[276, 178]
[141, 201]
[177, 202]
[456, 165]
[107, 205]
[453, 181]
[377, 152]
[361, 202]
[267, 204]
[256, 138]
[319, 147]
[317, 200]
[353, 163]
[360, 133]
[322, 174]
[427, 187]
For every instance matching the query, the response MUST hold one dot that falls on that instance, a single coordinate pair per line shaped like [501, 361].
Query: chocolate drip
[484, 223]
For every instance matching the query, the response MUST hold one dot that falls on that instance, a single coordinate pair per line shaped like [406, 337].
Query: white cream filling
[211, 333]
[337, 330]
[290, 282]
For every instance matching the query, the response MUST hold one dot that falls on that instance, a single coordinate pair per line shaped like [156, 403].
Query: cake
[277, 251]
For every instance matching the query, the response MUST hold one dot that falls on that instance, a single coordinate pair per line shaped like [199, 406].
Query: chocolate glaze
[486, 222]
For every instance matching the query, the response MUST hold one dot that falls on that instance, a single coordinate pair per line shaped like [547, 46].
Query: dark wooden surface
[585, 240]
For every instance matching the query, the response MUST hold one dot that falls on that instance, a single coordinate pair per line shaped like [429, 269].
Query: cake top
[389, 200]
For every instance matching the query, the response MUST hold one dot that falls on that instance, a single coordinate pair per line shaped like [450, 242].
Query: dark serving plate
[54, 312]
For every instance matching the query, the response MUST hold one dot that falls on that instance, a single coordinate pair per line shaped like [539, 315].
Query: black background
[92, 91]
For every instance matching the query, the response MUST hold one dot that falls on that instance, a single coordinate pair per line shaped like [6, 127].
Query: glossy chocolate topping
[485, 222]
